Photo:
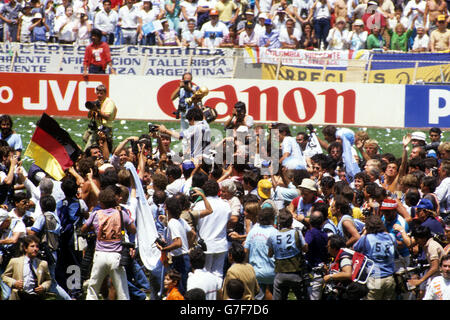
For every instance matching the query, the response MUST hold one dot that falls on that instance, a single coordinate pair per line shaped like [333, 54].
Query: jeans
[137, 280]
[109, 39]
[321, 28]
[315, 287]
[156, 281]
[107, 263]
[284, 282]
[182, 264]
[55, 287]
[148, 40]
[118, 35]
[6, 290]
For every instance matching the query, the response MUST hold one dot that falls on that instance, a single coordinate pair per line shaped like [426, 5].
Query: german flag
[52, 148]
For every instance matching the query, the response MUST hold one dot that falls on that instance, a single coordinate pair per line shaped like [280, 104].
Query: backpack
[49, 237]
[67, 225]
[362, 266]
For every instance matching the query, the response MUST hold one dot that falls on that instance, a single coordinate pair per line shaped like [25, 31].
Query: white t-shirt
[191, 8]
[129, 17]
[190, 37]
[284, 37]
[245, 39]
[148, 16]
[66, 33]
[16, 226]
[337, 39]
[106, 22]
[26, 23]
[357, 40]
[196, 139]
[178, 228]
[220, 30]
[295, 159]
[213, 227]
[235, 206]
[421, 42]
[413, 7]
[83, 34]
[438, 289]
[206, 281]
[175, 186]
[321, 11]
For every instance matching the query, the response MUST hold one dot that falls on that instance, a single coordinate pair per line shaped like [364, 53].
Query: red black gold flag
[52, 148]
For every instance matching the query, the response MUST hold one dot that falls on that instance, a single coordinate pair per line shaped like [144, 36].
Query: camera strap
[122, 229]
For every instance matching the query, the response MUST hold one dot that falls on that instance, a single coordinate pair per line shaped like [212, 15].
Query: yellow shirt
[357, 214]
[441, 40]
[108, 107]
[225, 10]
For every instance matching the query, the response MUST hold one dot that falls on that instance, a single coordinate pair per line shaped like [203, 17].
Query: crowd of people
[230, 225]
[414, 25]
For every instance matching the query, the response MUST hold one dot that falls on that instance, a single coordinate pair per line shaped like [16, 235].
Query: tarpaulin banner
[406, 68]
[290, 57]
[269, 72]
[129, 60]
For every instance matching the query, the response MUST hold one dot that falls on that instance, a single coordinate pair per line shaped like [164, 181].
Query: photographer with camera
[179, 236]
[102, 113]
[239, 117]
[48, 227]
[107, 224]
[184, 91]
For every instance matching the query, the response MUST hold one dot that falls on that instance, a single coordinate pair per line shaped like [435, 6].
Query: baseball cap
[188, 165]
[372, 3]
[418, 135]
[263, 16]
[389, 204]
[425, 204]
[264, 187]
[340, 19]
[268, 22]
[37, 15]
[308, 184]
[213, 12]
[441, 17]
[250, 12]
[358, 22]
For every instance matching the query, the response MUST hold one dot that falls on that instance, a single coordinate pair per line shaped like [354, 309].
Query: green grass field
[390, 140]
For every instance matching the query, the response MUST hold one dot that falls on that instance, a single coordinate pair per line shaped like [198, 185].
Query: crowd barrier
[293, 102]
[361, 66]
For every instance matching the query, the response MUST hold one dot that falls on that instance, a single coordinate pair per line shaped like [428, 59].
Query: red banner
[55, 94]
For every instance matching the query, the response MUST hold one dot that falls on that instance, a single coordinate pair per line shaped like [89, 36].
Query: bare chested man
[433, 9]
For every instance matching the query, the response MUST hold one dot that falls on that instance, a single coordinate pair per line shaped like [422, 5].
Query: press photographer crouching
[102, 113]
